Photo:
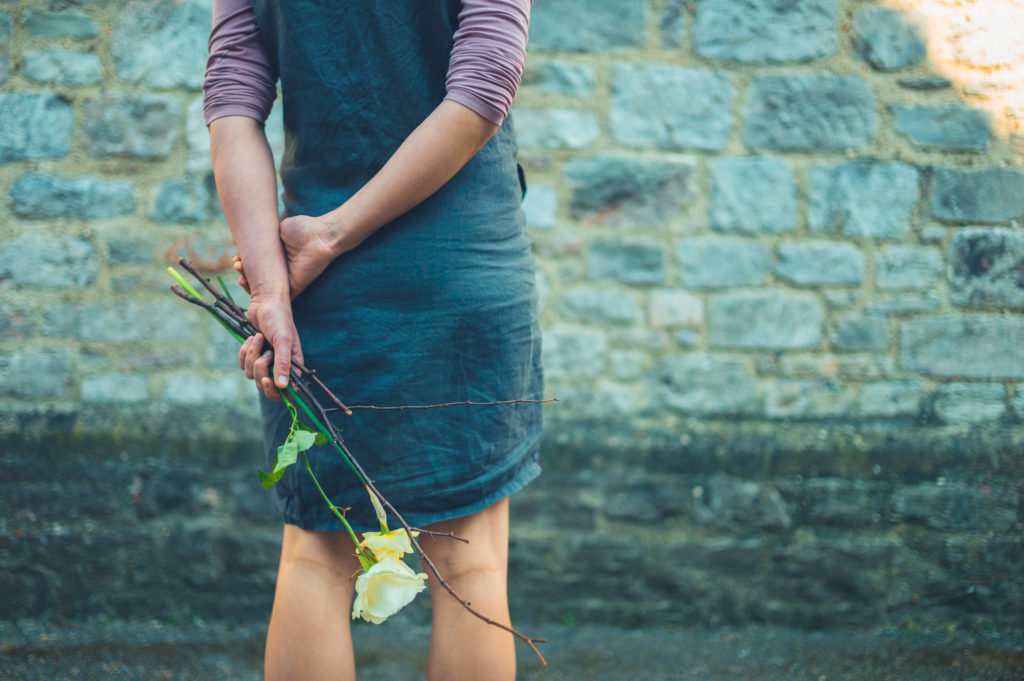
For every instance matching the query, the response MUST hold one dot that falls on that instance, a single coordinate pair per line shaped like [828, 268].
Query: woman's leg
[462, 647]
[309, 637]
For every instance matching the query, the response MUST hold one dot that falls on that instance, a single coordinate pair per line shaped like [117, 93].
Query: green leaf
[320, 439]
[303, 440]
[286, 456]
[268, 479]
[224, 287]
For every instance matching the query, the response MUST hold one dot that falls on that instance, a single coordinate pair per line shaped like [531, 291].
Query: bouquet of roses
[385, 584]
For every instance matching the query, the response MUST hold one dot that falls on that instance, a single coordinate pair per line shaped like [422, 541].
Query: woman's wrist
[339, 234]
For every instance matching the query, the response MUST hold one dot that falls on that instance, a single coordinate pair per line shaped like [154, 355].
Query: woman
[404, 271]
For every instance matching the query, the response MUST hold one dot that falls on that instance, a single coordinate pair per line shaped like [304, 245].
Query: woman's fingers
[252, 353]
[236, 263]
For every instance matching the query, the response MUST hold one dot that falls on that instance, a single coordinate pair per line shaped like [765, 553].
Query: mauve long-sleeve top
[484, 70]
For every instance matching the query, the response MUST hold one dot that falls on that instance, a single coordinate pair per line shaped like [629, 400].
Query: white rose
[384, 589]
[387, 545]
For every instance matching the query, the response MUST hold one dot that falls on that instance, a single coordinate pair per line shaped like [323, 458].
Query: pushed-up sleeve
[240, 79]
[488, 55]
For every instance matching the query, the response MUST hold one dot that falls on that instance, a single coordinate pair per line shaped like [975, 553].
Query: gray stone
[67, 23]
[643, 504]
[35, 374]
[717, 262]
[933, 234]
[571, 26]
[731, 501]
[969, 346]
[18, 321]
[540, 206]
[817, 263]
[807, 398]
[987, 195]
[627, 365]
[44, 195]
[856, 332]
[144, 126]
[193, 389]
[987, 267]
[842, 503]
[603, 305]
[574, 352]
[687, 338]
[114, 387]
[950, 127]
[970, 402]
[197, 139]
[755, 195]
[887, 38]
[595, 400]
[908, 267]
[766, 32]
[672, 23]
[555, 128]
[905, 303]
[130, 250]
[69, 67]
[863, 199]
[808, 364]
[34, 126]
[631, 262]
[185, 200]
[809, 112]
[6, 28]
[61, 319]
[840, 298]
[134, 320]
[673, 307]
[561, 78]
[772, 319]
[956, 506]
[926, 83]
[671, 107]
[162, 43]
[705, 384]
[628, 190]
[890, 399]
[46, 261]
[1017, 403]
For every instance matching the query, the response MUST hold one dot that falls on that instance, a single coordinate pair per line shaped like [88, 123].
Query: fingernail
[282, 381]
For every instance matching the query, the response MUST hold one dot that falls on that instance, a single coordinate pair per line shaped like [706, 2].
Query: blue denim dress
[437, 306]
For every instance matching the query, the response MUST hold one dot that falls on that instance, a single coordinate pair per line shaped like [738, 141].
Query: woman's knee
[329, 553]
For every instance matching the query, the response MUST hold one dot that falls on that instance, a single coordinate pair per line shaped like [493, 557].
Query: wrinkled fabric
[437, 306]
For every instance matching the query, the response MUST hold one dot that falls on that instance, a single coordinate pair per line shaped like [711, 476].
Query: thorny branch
[235, 320]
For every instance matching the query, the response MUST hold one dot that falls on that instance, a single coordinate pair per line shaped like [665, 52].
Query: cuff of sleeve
[472, 101]
[213, 113]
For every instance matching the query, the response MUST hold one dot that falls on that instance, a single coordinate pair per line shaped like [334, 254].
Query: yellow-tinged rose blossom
[387, 587]
[394, 544]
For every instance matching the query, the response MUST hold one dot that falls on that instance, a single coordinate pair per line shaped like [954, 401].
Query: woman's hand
[306, 252]
[273, 317]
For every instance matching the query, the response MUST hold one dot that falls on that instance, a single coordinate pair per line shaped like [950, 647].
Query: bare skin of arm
[430, 156]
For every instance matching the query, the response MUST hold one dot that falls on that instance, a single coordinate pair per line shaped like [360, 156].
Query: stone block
[184, 200]
[671, 107]
[988, 195]
[807, 398]
[949, 127]
[856, 332]
[631, 262]
[891, 399]
[35, 374]
[904, 303]
[194, 389]
[674, 307]
[839, 298]
[6, 28]
[771, 319]
[130, 250]
[46, 261]
[753, 195]
[809, 364]
[820, 263]
[1017, 402]
[540, 206]
[18, 321]
[45, 195]
[672, 23]
[766, 32]
[968, 346]
[726, 501]
[114, 387]
[840, 503]
[933, 234]
[687, 339]
[718, 262]
[987, 267]
[34, 126]
[644, 503]
[602, 305]
[705, 384]
[926, 83]
[61, 319]
[888, 39]
[908, 267]
[121, 322]
[809, 112]
[956, 506]
[627, 365]
[67, 23]
[561, 78]
[197, 139]
[67, 67]
[162, 44]
[574, 352]
[628, 190]
[863, 199]
[570, 26]
[142, 126]
[970, 402]
[555, 128]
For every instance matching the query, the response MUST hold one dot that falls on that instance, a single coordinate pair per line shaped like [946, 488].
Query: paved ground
[124, 651]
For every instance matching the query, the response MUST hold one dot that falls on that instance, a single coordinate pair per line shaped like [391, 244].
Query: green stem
[322, 428]
[341, 516]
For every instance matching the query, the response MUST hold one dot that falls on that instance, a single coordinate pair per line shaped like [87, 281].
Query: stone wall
[782, 285]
